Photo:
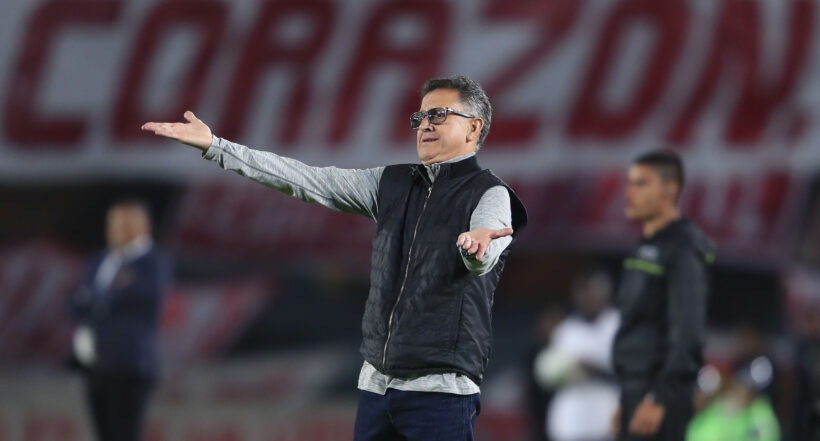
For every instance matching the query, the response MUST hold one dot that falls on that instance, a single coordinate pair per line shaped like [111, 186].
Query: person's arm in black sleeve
[687, 287]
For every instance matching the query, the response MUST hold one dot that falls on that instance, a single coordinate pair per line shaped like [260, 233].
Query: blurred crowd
[756, 385]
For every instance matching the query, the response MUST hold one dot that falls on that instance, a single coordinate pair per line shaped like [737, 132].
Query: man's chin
[425, 156]
[633, 215]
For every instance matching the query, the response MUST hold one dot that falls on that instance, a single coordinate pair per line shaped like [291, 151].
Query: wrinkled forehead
[441, 98]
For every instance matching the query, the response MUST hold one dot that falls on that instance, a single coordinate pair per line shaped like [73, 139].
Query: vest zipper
[406, 272]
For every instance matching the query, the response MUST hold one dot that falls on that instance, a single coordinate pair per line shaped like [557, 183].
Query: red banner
[579, 88]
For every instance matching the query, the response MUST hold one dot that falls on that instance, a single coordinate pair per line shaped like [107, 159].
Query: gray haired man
[443, 232]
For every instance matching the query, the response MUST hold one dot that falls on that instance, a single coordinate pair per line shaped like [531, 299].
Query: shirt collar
[135, 249]
[433, 169]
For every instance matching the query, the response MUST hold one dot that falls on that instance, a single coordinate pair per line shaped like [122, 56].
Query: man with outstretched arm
[443, 232]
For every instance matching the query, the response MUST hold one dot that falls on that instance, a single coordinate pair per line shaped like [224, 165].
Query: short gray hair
[472, 96]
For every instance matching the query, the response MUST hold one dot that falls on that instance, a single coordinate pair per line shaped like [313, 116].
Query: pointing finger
[495, 234]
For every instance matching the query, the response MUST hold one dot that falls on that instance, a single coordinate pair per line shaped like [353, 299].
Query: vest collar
[449, 170]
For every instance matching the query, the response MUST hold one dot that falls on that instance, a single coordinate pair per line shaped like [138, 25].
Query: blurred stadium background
[260, 332]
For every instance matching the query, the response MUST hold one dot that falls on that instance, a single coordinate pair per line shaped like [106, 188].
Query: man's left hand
[647, 418]
[477, 241]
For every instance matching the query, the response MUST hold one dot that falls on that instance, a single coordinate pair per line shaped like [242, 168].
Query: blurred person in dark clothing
[578, 364]
[807, 409]
[803, 293]
[808, 244]
[802, 281]
[443, 231]
[662, 300]
[117, 308]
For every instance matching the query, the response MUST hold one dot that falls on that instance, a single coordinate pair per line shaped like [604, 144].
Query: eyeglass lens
[437, 116]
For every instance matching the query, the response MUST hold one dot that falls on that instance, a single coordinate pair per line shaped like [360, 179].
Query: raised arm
[348, 190]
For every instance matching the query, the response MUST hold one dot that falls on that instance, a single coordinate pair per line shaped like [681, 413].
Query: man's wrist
[210, 151]
[656, 397]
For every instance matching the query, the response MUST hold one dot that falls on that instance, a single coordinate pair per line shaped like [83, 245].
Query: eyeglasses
[436, 115]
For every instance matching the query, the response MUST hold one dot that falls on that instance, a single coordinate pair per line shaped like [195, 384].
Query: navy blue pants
[415, 416]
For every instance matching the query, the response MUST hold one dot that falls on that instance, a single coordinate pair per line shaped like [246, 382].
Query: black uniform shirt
[662, 299]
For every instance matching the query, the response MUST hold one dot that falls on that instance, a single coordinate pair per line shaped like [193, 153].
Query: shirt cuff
[214, 149]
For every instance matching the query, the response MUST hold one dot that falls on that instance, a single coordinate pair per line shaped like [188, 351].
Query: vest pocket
[457, 320]
[430, 321]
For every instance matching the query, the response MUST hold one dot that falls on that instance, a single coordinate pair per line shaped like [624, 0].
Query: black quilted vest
[426, 313]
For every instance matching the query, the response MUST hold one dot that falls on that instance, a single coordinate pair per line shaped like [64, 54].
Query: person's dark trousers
[678, 412]
[118, 403]
[416, 416]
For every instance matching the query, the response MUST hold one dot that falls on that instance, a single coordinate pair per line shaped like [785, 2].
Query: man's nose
[425, 125]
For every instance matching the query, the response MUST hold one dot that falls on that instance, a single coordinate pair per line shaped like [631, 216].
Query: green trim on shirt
[644, 265]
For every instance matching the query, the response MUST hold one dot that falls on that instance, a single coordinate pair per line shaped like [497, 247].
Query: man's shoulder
[688, 239]
[400, 172]
[492, 179]
[401, 166]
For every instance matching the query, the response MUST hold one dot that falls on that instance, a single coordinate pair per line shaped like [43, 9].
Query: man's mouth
[428, 139]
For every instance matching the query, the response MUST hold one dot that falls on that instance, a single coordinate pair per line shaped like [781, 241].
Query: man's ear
[475, 129]
[672, 190]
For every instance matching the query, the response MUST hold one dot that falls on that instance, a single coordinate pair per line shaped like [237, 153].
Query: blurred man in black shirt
[662, 299]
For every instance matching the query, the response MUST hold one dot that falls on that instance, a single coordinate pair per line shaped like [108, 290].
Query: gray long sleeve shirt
[356, 191]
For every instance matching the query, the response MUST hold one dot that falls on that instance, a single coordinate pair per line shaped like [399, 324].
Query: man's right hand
[194, 132]
[647, 418]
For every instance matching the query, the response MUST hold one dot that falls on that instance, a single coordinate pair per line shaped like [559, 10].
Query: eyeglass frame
[426, 114]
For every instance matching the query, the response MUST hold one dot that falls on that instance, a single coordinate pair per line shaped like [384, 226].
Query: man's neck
[463, 154]
[456, 158]
[432, 169]
[666, 217]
